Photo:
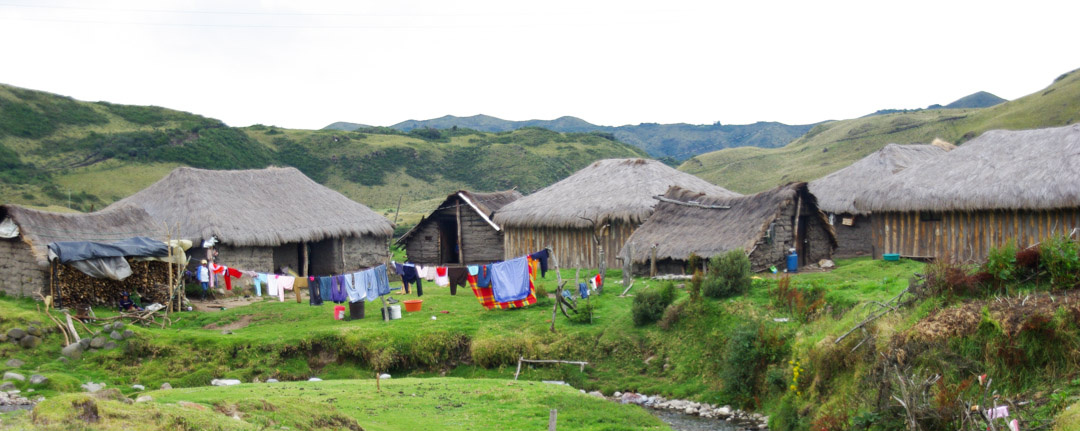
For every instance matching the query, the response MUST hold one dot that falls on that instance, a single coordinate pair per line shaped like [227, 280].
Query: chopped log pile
[150, 279]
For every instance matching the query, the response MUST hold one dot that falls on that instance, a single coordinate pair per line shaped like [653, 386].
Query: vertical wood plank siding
[573, 247]
[967, 236]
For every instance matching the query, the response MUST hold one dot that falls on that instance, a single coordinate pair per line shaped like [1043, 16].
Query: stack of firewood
[149, 279]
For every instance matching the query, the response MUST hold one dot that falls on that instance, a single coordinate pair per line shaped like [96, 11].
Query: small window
[929, 216]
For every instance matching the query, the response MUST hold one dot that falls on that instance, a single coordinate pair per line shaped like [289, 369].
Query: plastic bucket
[413, 304]
[891, 257]
[339, 312]
[395, 312]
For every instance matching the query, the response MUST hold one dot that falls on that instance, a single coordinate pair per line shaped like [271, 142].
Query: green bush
[196, 378]
[1001, 262]
[672, 314]
[729, 275]
[584, 314]
[649, 304]
[749, 351]
[1060, 258]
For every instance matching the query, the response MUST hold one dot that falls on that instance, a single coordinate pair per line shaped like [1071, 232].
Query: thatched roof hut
[38, 228]
[688, 222]
[606, 191]
[1001, 169]
[835, 192]
[618, 192]
[1020, 186]
[259, 207]
[460, 230]
[24, 257]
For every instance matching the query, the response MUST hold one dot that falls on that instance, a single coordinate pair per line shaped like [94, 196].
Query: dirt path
[217, 304]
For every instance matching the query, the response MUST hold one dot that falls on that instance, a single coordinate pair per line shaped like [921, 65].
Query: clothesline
[367, 284]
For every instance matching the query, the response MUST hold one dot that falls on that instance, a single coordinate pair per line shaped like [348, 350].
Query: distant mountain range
[676, 141]
[979, 99]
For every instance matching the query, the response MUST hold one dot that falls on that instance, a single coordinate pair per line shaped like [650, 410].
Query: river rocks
[97, 342]
[15, 334]
[224, 382]
[38, 379]
[93, 387]
[116, 336]
[30, 341]
[73, 350]
[14, 363]
[14, 376]
[632, 398]
[7, 386]
[14, 400]
[705, 410]
[166, 385]
[597, 394]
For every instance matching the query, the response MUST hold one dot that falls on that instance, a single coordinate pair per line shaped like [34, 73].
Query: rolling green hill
[677, 141]
[51, 146]
[833, 145]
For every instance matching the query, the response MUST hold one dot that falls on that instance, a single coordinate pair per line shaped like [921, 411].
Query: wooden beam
[460, 249]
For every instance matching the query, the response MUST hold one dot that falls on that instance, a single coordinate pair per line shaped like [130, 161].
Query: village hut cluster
[931, 201]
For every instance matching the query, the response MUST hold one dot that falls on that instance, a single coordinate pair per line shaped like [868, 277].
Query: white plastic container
[395, 312]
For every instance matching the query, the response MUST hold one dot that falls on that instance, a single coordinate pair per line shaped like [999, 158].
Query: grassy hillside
[831, 146]
[674, 141]
[55, 150]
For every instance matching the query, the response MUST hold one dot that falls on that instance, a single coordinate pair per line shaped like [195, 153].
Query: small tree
[729, 275]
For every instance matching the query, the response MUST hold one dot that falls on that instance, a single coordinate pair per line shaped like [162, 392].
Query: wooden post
[558, 280]
[398, 210]
[553, 418]
[628, 264]
[460, 249]
[304, 269]
[652, 261]
[172, 288]
[518, 367]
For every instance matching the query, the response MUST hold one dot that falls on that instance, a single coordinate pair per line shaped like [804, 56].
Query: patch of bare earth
[242, 322]
[1010, 312]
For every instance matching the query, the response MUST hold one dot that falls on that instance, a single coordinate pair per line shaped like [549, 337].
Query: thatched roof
[1004, 170]
[683, 224]
[484, 204]
[38, 228]
[605, 191]
[835, 192]
[260, 207]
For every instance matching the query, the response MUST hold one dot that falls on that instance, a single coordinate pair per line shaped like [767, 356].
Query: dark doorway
[448, 244]
[802, 244]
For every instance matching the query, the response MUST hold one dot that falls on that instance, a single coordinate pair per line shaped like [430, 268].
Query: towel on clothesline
[510, 280]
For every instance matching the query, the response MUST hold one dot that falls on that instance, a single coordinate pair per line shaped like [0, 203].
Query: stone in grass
[73, 350]
[15, 334]
[138, 387]
[109, 346]
[30, 342]
[93, 387]
[85, 343]
[3, 338]
[14, 363]
[38, 379]
[127, 334]
[116, 336]
[314, 379]
[271, 380]
[33, 330]
[144, 398]
[14, 376]
[224, 382]
[97, 342]
[7, 386]
[118, 326]
[166, 385]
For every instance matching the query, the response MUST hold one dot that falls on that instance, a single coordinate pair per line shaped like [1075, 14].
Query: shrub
[693, 263]
[649, 304]
[729, 275]
[802, 300]
[196, 378]
[672, 314]
[1060, 258]
[583, 315]
[949, 278]
[694, 288]
[749, 351]
[1001, 262]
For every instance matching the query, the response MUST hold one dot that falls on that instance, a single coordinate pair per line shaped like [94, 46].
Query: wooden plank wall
[574, 247]
[966, 236]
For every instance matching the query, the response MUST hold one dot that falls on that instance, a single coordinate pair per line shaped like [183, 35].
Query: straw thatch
[682, 224]
[262, 207]
[484, 204]
[835, 192]
[1000, 170]
[606, 191]
[39, 228]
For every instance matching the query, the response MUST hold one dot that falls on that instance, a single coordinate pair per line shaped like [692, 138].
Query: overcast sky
[306, 64]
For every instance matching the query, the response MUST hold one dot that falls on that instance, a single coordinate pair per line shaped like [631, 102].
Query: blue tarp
[140, 246]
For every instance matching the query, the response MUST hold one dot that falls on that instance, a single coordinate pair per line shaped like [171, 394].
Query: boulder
[271, 380]
[724, 411]
[144, 398]
[97, 343]
[826, 264]
[33, 330]
[597, 394]
[38, 379]
[73, 350]
[14, 376]
[118, 326]
[85, 343]
[127, 334]
[30, 341]
[224, 382]
[93, 387]
[6, 386]
[166, 385]
[632, 398]
[116, 336]
[14, 363]
[15, 334]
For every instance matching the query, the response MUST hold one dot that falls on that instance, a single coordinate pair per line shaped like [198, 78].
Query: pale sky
[306, 64]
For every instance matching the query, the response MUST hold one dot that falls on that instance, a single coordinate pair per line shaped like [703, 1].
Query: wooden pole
[172, 288]
[304, 271]
[558, 280]
[553, 418]
[398, 210]
[460, 249]
[652, 261]
[628, 264]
